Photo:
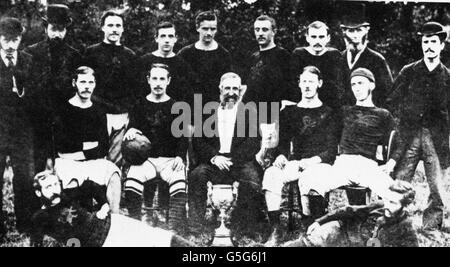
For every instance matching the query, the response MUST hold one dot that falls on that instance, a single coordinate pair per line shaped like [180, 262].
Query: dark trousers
[25, 201]
[422, 148]
[250, 202]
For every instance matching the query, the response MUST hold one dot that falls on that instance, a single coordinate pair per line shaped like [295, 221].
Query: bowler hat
[432, 28]
[11, 27]
[58, 14]
[353, 15]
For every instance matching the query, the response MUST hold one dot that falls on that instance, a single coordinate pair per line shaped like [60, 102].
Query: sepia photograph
[224, 124]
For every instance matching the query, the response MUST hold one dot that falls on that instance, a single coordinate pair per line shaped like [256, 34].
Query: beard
[56, 42]
[227, 99]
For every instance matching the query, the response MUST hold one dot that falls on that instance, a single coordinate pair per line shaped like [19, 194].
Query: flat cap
[364, 73]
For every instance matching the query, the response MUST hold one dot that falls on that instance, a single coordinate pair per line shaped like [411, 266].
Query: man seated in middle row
[226, 149]
[311, 127]
[152, 117]
[81, 141]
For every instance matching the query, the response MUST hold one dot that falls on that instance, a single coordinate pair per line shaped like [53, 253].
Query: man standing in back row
[269, 79]
[208, 59]
[115, 66]
[357, 54]
[421, 91]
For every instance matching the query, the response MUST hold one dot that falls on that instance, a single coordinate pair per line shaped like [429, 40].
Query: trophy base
[222, 241]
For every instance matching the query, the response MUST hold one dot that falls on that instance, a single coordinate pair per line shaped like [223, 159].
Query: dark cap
[364, 73]
[58, 14]
[353, 15]
[433, 28]
[11, 27]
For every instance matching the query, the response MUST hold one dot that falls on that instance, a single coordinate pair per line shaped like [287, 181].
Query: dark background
[393, 31]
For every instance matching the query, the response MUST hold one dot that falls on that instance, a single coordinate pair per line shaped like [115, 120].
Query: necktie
[10, 59]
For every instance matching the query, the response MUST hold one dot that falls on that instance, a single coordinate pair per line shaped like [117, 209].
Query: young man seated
[310, 126]
[365, 126]
[152, 117]
[81, 142]
[63, 219]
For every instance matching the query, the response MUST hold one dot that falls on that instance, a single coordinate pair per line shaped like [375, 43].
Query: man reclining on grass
[62, 219]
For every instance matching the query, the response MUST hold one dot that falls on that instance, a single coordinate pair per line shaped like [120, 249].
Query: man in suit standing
[57, 60]
[357, 54]
[227, 154]
[15, 127]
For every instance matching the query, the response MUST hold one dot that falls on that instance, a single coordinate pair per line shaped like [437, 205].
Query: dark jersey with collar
[208, 67]
[312, 132]
[364, 128]
[155, 120]
[75, 126]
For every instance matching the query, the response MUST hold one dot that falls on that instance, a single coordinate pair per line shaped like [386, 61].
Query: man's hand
[312, 228]
[131, 134]
[223, 163]
[280, 162]
[305, 163]
[178, 164]
[388, 168]
[103, 212]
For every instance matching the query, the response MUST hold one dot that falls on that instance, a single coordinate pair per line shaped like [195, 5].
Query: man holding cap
[15, 129]
[57, 61]
[365, 126]
[355, 29]
[420, 96]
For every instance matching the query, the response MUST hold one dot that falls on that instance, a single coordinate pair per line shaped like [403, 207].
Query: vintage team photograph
[224, 123]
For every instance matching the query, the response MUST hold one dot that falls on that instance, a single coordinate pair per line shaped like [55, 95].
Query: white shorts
[128, 232]
[74, 173]
[352, 169]
[152, 168]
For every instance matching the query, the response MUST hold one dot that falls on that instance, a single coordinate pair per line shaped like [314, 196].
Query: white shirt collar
[5, 60]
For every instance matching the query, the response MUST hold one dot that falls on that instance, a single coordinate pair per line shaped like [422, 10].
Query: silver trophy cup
[223, 199]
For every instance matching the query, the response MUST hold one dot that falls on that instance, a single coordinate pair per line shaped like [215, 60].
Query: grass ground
[426, 238]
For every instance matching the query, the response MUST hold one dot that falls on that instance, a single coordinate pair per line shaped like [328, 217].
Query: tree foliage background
[393, 31]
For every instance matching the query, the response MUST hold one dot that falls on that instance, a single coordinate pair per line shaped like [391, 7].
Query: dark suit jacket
[53, 83]
[14, 107]
[246, 141]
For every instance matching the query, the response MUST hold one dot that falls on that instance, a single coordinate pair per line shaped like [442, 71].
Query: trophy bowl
[222, 198]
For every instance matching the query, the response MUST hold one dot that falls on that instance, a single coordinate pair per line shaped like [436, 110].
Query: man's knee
[273, 180]
[137, 176]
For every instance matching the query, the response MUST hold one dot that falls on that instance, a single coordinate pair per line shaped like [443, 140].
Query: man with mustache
[310, 126]
[421, 99]
[227, 154]
[116, 69]
[269, 79]
[62, 218]
[152, 117]
[81, 143]
[16, 151]
[326, 59]
[56, 60]
[207, 58]
[180, 87]
[355, 29]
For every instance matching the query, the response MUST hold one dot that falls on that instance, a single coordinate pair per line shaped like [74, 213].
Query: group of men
[69, 114]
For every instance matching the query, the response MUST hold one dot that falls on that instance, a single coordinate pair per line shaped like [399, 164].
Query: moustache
[231, 97]
[429, 50]
[318, 45]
